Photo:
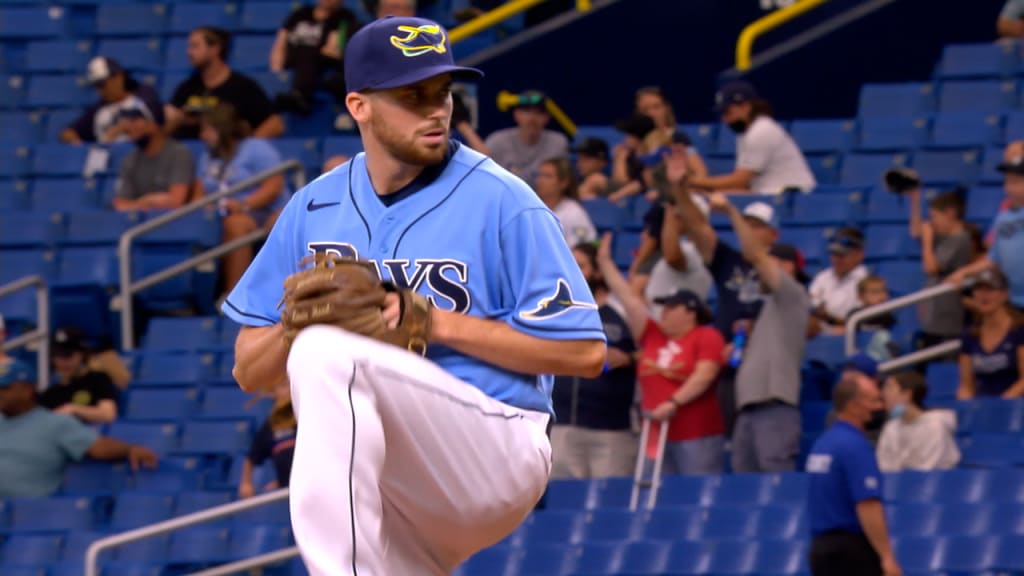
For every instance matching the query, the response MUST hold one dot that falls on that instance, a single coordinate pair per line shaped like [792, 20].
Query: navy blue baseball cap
[688, 299]
[16, 372]
[735, 92]
[862, 363]
[394, 52]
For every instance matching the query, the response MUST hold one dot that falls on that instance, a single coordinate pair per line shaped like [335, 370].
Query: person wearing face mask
[915, 438]
[863, 368]
[157, 174]
[768, 161]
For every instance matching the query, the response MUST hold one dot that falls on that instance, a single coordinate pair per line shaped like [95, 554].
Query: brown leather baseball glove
[347, 293]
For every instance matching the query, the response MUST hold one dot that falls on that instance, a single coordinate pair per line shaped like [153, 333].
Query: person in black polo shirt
[850, 537]
[592, 437]
[81, 392]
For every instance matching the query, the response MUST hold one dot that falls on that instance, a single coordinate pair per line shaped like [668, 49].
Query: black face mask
[878, 419]
[143, 142]
[738, 126]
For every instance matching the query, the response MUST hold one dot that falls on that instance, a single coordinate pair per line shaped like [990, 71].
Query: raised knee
[317, 348]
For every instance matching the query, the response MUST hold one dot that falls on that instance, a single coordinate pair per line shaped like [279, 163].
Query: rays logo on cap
[557, 304]
[420, 40]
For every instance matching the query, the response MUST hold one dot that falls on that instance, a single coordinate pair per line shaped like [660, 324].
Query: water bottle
[739, 342]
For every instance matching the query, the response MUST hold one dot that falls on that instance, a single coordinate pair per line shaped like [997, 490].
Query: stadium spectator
[275, 441]
[872, 290]
[1007, 248]
[462, 123]
[767, 434]
[652, 102]
[5, 358]
[680, 360]
[1010, 23]
[36, 444]
[592, 437]
[104, 358]
[992, 349]
[915, 438]
[679, 264]
[627, 178]
[523, 148]
[834, 289]
[591, 163]
[158, 173]
[333, 162]
[80, 391]
[310, 43]
[382, 8]
[117, 91]
[233, 156]
[848, 524]
[768, 161]
[213, 82]
[556, 187]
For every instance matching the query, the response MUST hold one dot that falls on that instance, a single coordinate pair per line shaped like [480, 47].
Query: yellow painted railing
[499, 15]
[745, 44]
[508, 100]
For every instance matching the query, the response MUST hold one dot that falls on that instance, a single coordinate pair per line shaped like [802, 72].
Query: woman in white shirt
[915, 438]
[556, 187]
[768, 161]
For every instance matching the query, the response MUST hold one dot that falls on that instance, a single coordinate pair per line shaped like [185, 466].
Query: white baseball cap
[100, 68]
[763, 212]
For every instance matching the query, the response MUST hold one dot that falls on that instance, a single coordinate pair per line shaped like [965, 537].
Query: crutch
[654, 483]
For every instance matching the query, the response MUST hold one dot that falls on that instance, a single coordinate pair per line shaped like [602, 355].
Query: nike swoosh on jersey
[313, 206]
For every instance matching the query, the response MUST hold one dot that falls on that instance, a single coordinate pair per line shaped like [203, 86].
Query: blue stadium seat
[902, 276]
[905, 99]
[827, 350]
[624, 247]
[687, 491]
[225, 366]
[969, 554]
[992, 158]
[825, 168]
[132, 569]
[866, 169]
[157, 405]
[24, 570]
[889, 242]
[87, 266]
[555, 527]
[99, 227]
[916, 519]
[32, 22]
[947, 167]
[986, 60]
[990, 97]
[229, 437]
[54, 514]
[965, 519]
[885, 207]
[21, 128]
[168, 334]
[175, 60]
[30, 550]
[173, 369]
[676, 523]
[781, 557]
[490, 561]
[18, 263]
[56, 159]
[305, 150]
[172, 477]
[733, 557]
[275, 514]
[132, 510]
[67, 91]
[134, 54]
[964, 129]
[36, 229]
[264, 16]
[143, 19]
[1014, 125]
[780, 522]
[201, 544]
[998, 416]
[726, 143]
[1009, 554]
[57, 121]
[720, 164]
[983, 202]
[347, 145]
[160, 438]
[202, 227]
[703, 136]
[537, 559]
[919, 555]
[77, 542]
[892, 133]
[189, 502]
[153, 549]
[611, 526]
[228, 403]
[813, 415]
[186, 16]
[910, 486]
[823, 135]
[250, 53]
[64, 195]
[744, 490]
[274, 82]
[991, 450]
[14, 160]
[959, 485]
[729, 522]
[14, 195]
[250, 541]
[824, 210]
[92, 479]
[943, 379]
[689, 558]
[605, 215]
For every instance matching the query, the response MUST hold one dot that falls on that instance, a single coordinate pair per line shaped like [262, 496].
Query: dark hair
[760, 107]
[912, 381]
[866, 281]
[231, 129]
[566, 173]
[948, 201]
[660, 93]
[216, 37]
[846, 391]
[589, 249]
[978, 245]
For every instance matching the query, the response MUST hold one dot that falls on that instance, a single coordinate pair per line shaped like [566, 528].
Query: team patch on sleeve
[557, 304]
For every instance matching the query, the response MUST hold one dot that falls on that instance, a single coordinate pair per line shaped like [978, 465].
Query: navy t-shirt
[278, 445]
[738, 287]
[994, 370]
[602, 403]
[842, 471]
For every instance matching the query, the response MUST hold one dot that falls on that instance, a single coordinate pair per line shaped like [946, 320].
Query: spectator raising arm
[671, 251]
[753, 250]
[635, 307]
[697, 226]
[277, 51]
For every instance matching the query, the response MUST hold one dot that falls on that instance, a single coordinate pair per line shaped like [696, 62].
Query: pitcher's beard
[413, 151]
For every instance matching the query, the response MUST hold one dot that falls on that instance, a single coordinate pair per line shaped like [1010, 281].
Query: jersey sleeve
[73, 437]
[253, 301]
[552, 299]
[863, 479]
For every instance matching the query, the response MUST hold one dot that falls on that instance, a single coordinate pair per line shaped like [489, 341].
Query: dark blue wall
[592, 66]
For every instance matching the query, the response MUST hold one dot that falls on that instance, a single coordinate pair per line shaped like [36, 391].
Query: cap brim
[421, 74]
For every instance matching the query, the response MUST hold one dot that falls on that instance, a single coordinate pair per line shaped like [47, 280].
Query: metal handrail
[494, 17]
[41, 333]
[123, 301]
[93, 552]
[745, 43]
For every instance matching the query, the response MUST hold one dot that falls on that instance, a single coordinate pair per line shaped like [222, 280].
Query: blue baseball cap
[862, 363]
[394, 52]
[15, 372]
[735, 92]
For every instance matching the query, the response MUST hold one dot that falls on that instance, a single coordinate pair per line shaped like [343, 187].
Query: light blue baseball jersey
[474, 239]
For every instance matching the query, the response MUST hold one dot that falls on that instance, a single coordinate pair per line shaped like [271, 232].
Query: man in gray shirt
[767, 433]
[522, 149]
[158, 173]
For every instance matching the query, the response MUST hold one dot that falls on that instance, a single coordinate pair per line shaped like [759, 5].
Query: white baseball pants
[400, 468]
